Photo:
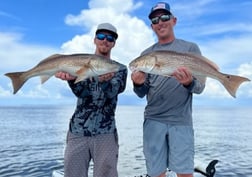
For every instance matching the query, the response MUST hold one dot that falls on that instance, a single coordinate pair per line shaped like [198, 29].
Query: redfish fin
[232, 83]
[44, 78]
[82, 73]
[17, 80]
[80, 78]
[210, 62]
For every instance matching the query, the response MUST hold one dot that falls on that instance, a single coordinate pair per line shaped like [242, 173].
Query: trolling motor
[209, 171]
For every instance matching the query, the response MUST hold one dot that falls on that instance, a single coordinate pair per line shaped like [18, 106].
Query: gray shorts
[102, 149]
[168, 146]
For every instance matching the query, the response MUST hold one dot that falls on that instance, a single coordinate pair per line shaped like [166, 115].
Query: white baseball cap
[107, 27]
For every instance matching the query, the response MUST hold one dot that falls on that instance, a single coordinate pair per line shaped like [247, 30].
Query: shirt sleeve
[142, 90]
[196, 86]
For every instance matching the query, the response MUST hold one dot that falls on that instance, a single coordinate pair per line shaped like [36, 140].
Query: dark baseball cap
[160, 6]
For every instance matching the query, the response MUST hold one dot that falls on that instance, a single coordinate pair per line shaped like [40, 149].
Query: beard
[104, 50]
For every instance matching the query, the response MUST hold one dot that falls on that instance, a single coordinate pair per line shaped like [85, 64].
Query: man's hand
[138, 77]
[183, 75]
[64, 76]
[106, 77]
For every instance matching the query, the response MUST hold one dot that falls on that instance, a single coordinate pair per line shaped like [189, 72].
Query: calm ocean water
[33, 138]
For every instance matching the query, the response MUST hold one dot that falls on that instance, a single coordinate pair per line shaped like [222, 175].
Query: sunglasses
[102, 36]
[163, 18]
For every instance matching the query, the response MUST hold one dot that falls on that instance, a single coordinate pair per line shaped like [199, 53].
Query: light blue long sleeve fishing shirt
[168, 101]
[96, 104]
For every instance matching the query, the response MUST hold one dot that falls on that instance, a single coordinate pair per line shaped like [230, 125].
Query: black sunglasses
[102, 36]
[163, 18]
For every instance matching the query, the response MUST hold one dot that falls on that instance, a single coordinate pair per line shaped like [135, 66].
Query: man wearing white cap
[168, 139]
[92, 131]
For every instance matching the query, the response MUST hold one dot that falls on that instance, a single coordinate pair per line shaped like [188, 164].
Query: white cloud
[214, 89]
[228, 52]
[4, 93]
[119, 6]
[17, 55]
[102, 11]
[245, 69]
[79, 44]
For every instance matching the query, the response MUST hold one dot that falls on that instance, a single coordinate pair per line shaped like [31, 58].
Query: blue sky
[31, 30]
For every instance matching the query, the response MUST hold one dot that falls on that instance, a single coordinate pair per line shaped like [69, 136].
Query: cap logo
[159, 6]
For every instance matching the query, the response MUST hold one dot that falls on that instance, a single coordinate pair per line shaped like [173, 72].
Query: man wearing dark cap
[168, 138]
[92, 131]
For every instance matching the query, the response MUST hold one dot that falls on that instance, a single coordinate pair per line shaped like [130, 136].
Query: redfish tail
[17, 80]
[232, 83]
